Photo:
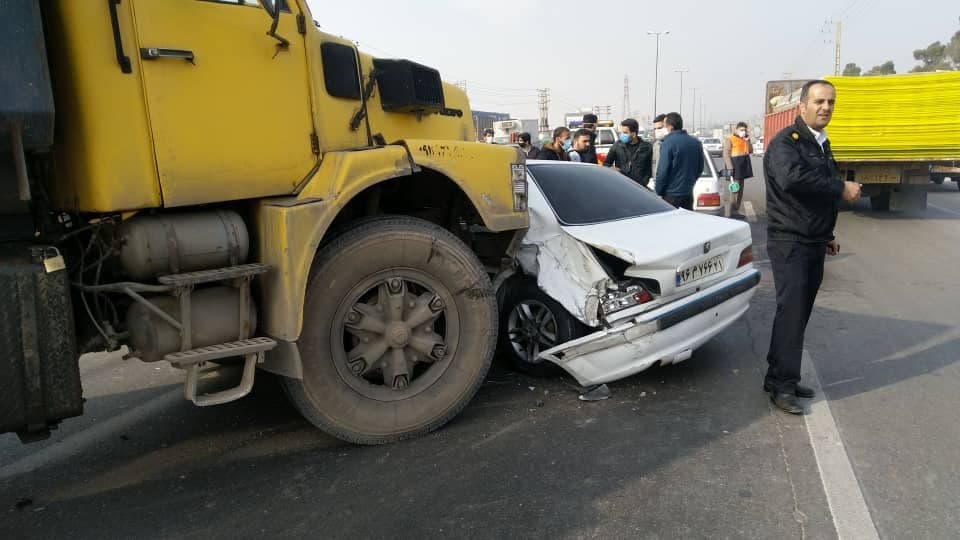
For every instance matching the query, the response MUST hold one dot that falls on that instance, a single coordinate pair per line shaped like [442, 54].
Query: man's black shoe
[786, 402]
[804, 392]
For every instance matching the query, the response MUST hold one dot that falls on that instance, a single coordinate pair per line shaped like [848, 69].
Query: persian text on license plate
[713, 265]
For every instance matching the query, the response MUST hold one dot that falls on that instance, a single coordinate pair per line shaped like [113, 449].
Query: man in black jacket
[803, 194]
[631, 155]
[590, 124]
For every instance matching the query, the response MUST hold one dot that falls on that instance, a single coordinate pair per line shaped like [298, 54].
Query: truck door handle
[155, 53]
[122, 58]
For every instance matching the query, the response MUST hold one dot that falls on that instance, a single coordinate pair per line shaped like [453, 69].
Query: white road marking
[78, 442]
[851, 517]
[749, 211]
[942, 209]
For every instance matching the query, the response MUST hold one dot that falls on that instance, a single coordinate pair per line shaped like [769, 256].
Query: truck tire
[880, 203]
[938, 178]
[399, 329]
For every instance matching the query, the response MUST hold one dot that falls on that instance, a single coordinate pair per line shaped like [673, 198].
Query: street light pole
[693, 117]
[656, 69]
[681, 72]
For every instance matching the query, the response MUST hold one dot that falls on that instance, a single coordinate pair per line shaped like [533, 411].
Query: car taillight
[601, 158]
[746, 256]
[632, 295]
[708, 199]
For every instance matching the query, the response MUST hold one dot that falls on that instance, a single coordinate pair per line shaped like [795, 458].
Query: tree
[886, 68]
[852, 70]
[953, 50]
[933, 58]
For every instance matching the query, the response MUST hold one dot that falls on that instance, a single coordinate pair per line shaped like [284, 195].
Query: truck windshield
[587, 194]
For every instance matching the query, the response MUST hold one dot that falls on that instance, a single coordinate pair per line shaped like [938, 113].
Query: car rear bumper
[666, 335]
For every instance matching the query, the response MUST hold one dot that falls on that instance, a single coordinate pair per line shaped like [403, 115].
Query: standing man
[803, 192]
[736, 158]
[658, 134]
[581, 147]
[528, 148]
[680, 165]
[631, 155]
[557, 149]
[590, 124]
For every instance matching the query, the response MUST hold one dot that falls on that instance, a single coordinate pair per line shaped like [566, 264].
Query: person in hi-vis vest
[736, 158]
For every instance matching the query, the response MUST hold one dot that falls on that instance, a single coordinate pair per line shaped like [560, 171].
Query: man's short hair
[631, 124]
[742, 125]
[659, 118]
[589, 118]
[582, 133]
[806, 88]
[674, 120]
[525, 137]
[487, 131]
[557, 133]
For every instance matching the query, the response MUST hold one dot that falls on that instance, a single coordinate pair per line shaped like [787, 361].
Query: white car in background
[714, 147]
[610, 280]
[711, 193]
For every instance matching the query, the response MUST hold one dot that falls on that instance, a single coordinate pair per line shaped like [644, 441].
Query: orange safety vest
[738, 146]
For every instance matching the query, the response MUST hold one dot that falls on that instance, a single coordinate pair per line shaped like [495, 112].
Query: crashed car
[610, 280]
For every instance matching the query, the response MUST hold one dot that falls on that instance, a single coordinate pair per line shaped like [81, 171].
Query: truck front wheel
[399, 329]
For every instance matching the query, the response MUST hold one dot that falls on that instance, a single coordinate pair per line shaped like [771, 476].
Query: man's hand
[851, 191]
[833, 247]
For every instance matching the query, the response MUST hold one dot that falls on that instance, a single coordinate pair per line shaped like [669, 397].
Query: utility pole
[626, 97]
[693, 117]
[604, 112]
[681, 72]
[656, 70]
[836, 51]
[543, 102]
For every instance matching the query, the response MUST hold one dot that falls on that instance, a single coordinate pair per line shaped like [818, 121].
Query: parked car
[711, 193]
[758, 146]
[606, 136]
[713, 146]
[611, 280]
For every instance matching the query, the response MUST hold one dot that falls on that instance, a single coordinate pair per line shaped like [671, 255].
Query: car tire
[937, 178]
[367, 290]
[531, 322]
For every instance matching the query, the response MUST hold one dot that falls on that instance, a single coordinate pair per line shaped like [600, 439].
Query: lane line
[942, 209]
[80, 441]
[851, 517]
[749, 211]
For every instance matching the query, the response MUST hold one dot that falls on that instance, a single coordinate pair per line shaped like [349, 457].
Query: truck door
[229, 111]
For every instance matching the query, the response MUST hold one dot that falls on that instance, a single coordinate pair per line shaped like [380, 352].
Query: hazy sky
[580, 50]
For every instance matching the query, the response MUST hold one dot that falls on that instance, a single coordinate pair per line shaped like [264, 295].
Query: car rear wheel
[531, 322]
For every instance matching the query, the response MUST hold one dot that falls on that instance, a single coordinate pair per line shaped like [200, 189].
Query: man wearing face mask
[631, 155]
[736, 158]
[681, 162]
[659, 132]
[488, 136]
[528, 148]
[590, 125]
[556, 150]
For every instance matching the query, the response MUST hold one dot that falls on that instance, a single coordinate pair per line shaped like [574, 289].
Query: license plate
[696, 272]
[877, 175]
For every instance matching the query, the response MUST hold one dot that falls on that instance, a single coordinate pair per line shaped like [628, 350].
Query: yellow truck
[219, 184]
[895, 134]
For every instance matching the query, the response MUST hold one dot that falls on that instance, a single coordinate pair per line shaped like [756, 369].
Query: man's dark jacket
[680, 164]
[590, 154]
[633, 160]
[803, 186]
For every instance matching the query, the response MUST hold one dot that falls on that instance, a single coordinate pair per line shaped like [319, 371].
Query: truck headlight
[518, 178]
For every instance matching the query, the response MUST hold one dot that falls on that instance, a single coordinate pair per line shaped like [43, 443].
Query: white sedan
[711, 192]
[611, 280]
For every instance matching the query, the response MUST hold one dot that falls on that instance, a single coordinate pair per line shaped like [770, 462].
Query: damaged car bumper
[666, 335]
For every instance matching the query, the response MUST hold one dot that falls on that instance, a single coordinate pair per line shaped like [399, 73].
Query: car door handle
[155, 53]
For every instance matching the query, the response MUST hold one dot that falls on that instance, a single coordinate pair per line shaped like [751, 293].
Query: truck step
[217, 274]
[220, 351]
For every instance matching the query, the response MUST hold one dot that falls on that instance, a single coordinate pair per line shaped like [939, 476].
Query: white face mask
[743, 133]
[489, 139]
[659, 133]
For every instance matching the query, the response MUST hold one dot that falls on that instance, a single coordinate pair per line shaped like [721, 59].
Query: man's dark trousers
[797, 274]
[679, 202]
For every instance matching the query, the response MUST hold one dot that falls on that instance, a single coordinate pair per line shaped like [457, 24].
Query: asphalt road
[687, 451]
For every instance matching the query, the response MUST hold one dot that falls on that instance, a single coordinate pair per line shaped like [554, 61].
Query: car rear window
[587, 194]
[606, 136]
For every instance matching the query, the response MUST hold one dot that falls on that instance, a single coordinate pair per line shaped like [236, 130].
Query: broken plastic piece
[595, 393]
